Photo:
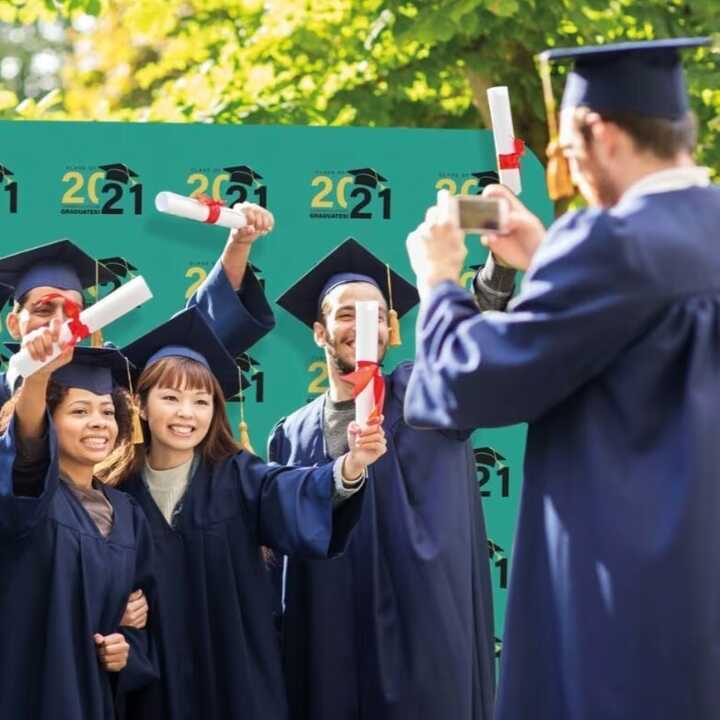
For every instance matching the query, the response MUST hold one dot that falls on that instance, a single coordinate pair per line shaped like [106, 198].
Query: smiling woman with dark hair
[71, 547]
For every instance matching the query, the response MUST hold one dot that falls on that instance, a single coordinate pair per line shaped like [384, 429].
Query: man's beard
[343, 366]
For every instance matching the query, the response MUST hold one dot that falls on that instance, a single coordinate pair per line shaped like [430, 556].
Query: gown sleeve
[27, 483]
[291, 508]
[583, 301]
[239, 318]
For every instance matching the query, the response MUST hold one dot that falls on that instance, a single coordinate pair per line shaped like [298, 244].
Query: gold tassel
[394, 338]
[138, 437]
[245, 438]
[559, 180]
[245, 443]
[96, 339]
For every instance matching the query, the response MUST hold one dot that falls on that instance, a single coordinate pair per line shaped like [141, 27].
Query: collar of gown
[669, 180]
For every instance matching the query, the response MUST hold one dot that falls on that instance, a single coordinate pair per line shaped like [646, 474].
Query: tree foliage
[418, 63]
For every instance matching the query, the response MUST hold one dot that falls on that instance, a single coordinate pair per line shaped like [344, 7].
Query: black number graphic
[117, 193]
[385, 196]
[357, 210]
[136, 191]
[12, 189]
[487, 460]
[261, 195]
[241, 192]
[499, 559]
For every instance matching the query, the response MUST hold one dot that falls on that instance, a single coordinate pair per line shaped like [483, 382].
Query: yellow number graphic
[70, 196]
[202, 183]
[340, 190]
[469, 186]
[217, 185]
[92, 185]
[196, 272]
[319, 200]
[318, 385]
[446, 184]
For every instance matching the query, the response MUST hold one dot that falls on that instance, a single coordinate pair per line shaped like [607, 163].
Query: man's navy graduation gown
[61, 582]
[218, 648]
[612, 353]
[401, 626]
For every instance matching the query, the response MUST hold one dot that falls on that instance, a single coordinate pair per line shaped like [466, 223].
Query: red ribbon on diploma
[366, 372]
[78, 329]
[213, 207]
[511, 161]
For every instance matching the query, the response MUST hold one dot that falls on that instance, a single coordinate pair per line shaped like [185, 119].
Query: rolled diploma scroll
[503, 133]
[118, 303]
[192, 209]
[366, 348]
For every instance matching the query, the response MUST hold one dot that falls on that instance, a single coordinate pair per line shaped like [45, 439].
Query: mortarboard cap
[242, 174]
[119, 172]
[97, 370]
[60, 264]
[642, 78]
[188, 335]
[367, 176]
[348, 262]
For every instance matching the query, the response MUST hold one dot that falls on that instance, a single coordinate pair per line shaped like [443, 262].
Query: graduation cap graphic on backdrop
[368, 177]
[6, 174]
[485, 178]
[120, 266]
[120, 173]
[249, 366]
[243, 174]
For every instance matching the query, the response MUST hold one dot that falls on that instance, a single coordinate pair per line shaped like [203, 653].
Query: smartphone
[473, 213]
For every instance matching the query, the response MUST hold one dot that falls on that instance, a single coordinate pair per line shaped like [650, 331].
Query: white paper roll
[503, 134]
[192, 209]
[96, 317]
[366, 348]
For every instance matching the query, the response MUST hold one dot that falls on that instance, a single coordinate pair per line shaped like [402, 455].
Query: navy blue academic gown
[61, 582]
[218, 648]
[612, 354]
[400, 627]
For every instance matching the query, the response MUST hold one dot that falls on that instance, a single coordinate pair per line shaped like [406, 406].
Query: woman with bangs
[71, 547]
[211, 508]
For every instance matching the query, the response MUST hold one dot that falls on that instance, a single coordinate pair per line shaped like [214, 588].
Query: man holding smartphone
[611, 352]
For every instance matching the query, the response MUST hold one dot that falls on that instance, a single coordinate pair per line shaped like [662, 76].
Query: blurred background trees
[421, 63]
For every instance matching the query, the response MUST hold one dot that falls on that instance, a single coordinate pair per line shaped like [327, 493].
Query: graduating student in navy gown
[401, 626]
[211, 507]
[612, 353]
[71, 547]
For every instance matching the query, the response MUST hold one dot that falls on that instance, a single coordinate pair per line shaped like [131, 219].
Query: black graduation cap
[120, 172]
[485, 178]
[97, 370]
[242, 174]
[348, 262]
[60, 264]
[5, 173]
[367, 176]
[187, 334]
[643, 78]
